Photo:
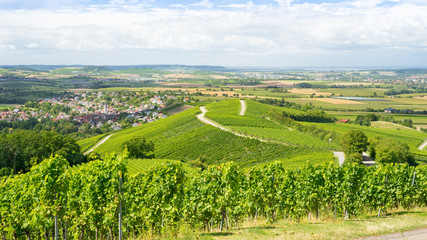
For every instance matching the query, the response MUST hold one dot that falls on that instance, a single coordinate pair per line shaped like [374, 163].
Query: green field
[395, 222]
[139, 165]
[411, 137]
[87, 143]
[183, 137]
[355, 92]
[396, 103]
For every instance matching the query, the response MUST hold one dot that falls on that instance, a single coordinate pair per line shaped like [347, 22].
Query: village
[96, 108]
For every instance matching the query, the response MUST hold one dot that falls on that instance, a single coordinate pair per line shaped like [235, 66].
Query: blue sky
[277, 33]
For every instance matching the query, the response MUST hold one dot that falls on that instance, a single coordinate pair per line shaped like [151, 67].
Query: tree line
[22, 149]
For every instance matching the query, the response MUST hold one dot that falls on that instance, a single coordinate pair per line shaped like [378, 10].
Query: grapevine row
[85, 202]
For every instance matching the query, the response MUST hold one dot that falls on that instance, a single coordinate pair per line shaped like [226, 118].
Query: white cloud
[178, 6]
[32, 45]
[246, 34]
[7, 47]
[284, 3]
[203, 3]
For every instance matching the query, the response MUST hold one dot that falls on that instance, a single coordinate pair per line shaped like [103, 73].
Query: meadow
[396, 103]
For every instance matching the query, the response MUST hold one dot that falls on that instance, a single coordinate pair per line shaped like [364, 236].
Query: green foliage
[139, 147]
[392, 151]
[304, 85]
[21, 149]
[183, 137]
[365, 120]
[86, 200]
[354, 157]
[307, 116]
[354, 141]
[313, 130]
[411, 137]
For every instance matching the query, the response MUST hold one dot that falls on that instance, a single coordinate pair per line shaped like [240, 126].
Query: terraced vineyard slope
[184, 137]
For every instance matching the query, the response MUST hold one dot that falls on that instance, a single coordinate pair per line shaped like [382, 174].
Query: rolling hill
[250, 139]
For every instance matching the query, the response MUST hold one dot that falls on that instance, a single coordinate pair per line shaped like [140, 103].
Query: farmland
[166, 198]
[274, 163]
[183, 137]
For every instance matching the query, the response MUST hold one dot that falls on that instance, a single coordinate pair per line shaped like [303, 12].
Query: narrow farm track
[243, 109]
[420, 234]
[290, 129]
[423, 145]
[341, 157]
[202, 118]
[97, 145]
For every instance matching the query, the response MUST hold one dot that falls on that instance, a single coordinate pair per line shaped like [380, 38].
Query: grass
[87, 143]
[183, 137]
[411, 137]
[398, 221]
[356, 92]
[396, 103]
[261, 92]
[139, 165]
[388, 125]
[417, 119]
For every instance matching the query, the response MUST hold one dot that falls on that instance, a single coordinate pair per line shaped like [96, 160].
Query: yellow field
[352, 83]
[218, 77]
[388, 125]
[309, 91]
[178, 75]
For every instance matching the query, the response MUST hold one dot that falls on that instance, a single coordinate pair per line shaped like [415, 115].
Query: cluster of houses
[91, 108]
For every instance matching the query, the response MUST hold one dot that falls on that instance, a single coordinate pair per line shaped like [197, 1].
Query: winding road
[243, 108]
[202, 118]
[423, 145]
[97, 145]
[341, 157]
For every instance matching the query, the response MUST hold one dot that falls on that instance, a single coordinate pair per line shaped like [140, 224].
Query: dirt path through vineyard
[420, 234]
[97, 145]
[243, 109]
[423, 145]
[341, 157]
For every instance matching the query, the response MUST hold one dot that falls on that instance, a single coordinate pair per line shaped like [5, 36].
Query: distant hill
[120, 67]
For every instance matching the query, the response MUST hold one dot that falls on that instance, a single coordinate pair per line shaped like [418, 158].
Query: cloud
[7, 47]
[32, 45]
[178, 6]
[235, 34]
[203, 3]
[284, 3]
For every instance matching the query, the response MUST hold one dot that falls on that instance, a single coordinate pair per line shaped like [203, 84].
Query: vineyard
[183, 137]
[256, 123]
[411, 137]
[99, 200]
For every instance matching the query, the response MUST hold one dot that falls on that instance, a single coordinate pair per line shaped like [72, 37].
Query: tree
[22, 149]
[392, 151]
[354, 143]
[139, 147]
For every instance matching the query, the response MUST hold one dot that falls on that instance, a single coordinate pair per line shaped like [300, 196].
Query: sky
[258, 33]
